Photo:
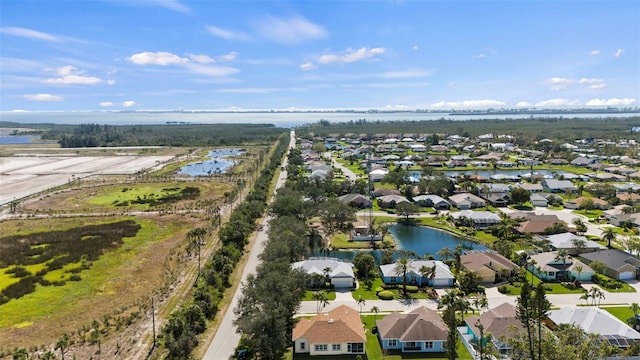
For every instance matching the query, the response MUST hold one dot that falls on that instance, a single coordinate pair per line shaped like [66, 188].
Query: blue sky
[170, 54]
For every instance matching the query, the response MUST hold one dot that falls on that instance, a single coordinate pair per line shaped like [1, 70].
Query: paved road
[345, 170]
[226, 339]
[493, 297]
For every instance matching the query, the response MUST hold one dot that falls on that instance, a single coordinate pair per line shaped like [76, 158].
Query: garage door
[626, 275]
[342, 283]
[441, 282]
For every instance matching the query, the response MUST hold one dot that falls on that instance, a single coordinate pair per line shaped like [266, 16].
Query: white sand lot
[21, 176]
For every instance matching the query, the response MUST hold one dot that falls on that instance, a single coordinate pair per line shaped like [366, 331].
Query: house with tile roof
[548, 267]
[421, 330]
[488, 265]
[594, 320]
[619, 264]
[464, 201]
[499, 324]
[337, 332]
[441, 277]
[340, 273]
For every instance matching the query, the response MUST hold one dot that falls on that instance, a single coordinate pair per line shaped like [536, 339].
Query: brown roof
[339, 325]
[536, 227]
[497, 321]
[476, 260]
[421, 324]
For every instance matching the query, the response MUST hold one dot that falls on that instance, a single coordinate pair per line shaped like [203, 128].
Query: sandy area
[21, 176]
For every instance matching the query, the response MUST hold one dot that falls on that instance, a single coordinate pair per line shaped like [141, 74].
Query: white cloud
[290, 31]
[415, 47]
[111, 82]
[169, 4]
[228, 57]
[350, 56]
[611, 102]
[524, 104]
[161, 58]
[227, 34]
[211, 70]
[106, 103]
[598, 86]
[468, 104]
[618, 53]
[558, 83]
[42, 97]
[557, 102]
[452, 84]
[28, 33]
[406, 74]
[590, 81]
[69, 75]
[128, 103]
[308, 66]
[481, 56]
[202, 59]
[595, 52]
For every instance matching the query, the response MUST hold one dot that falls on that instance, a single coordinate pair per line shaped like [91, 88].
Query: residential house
[538, 200]
[558, 186]
[594, 320]
[421, 330]
[619, 264]
[498, 323]
[339, 273]
[488, 265]
[337, 332]
[574, 244]
[582, 161]
[532, 188]
[535, 224]
[356, 200]
[391, 201]
[431, 200]
[579, 203]
[441, 277]
[480, 219]
[464, 201]
[547, 266]
[629, 197]
[498, 199]
[384, 192]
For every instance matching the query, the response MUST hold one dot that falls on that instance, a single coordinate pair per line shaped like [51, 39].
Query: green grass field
[621, 312]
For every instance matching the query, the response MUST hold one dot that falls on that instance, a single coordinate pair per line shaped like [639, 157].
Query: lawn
[308, 295]
[341, 241]
[364, 294]
[556, 288]
[624, 286]
[621, 312]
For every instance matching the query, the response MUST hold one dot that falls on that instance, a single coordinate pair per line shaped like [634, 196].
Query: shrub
[385, 295]
[389, 286]
[503, 289]
[379, 288]
[411, 289]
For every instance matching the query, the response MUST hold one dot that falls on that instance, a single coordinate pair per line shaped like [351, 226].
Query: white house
[339, 272]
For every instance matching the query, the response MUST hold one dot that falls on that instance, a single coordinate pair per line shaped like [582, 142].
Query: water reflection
[218, 163]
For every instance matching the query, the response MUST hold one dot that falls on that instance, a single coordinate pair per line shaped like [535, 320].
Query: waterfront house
[339, 273]
[441, 277]
[488, 265]
[421, 330]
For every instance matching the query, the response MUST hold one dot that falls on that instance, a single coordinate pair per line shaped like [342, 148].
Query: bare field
[22, 176]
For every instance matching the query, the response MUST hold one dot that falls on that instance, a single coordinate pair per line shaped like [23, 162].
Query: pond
[218, 163]
[419, 239]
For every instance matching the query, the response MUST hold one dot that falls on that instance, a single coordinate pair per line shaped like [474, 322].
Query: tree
[315, 239]
[524, 313]
[480, 303]
[366, 265]
[361, 303]
[581, 227]
[407, 209]
[467, 281]
[445, 254]
[588, 205]
[608, 235]
[598, 266]
[62, 344]
[633, 245]
[21, 354]
[428, 272]
[597, 295]
[335, 215]
[520, 195]
[503, 247]
[321, 300]
[400, 269]
[375, 310]
[563, 255]
[578, 244]
[396, 177]
[541, 307]
[579, 271]
[452, 302]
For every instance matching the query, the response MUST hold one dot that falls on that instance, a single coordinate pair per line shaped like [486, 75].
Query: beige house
[488, 265]
[337, 332]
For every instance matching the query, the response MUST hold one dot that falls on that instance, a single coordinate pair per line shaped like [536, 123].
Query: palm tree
[321, 300]
[402, 265]
[635, 308]
[608, 235]
[596, 294]
[578, 270]
[480, 303]
[563, 255]
[62, 344]
[445, 254]
[428, 272]
[361, 303]
[375, 310]
[581, 227]
[585, 297]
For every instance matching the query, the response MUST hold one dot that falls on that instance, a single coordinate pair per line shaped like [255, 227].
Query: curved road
[226, 339]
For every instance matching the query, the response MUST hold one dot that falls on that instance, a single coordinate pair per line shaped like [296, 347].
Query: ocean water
[280, 119]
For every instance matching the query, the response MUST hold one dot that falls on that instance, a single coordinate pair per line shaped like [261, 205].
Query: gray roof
[480, 217]
[421, 324]
[498, 321]
[317, 265]
[442, 270]
[613, 258]
[565, 241]
[593, 320]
